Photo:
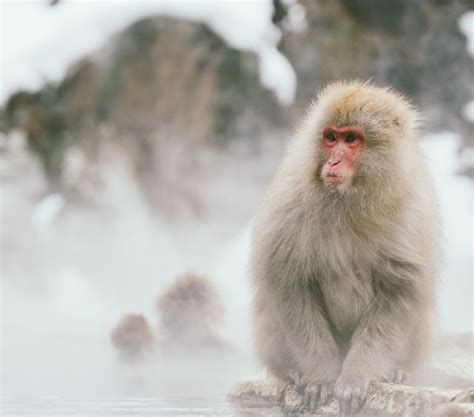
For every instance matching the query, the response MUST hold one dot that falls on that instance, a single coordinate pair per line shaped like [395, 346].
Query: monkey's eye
[330, 137]
[351, 137]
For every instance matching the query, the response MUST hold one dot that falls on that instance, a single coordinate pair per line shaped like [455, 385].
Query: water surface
[62, 375]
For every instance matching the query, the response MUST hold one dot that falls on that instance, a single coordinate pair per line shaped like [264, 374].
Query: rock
[446, 389]
[159, 91]
[163, 88]
[467, 396]
[414, 46]
[383, 399]
[255, 392]
[403, 400]
[164, 82]
[454, 410]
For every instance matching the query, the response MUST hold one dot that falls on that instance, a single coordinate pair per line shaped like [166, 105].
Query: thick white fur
[345, 279]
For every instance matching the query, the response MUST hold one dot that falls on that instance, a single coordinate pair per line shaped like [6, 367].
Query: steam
[455, 194]
[70, 272]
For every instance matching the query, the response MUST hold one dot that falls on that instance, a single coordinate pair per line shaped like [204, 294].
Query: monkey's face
[341, 147]
[364, 138]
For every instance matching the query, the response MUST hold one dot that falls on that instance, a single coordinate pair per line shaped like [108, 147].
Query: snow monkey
[133, 336]
[190, 315]
[345, 249]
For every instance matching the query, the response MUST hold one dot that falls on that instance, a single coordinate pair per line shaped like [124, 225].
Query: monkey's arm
[314, 346]
[292, 328]
[381, 342]
[306, 344]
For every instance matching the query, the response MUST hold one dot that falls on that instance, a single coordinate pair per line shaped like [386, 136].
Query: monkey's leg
[381, 341]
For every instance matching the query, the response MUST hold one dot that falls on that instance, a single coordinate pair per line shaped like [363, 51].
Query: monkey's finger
[313, 404]
[402, 377]
[397, 376]
[310, 401]
[301, 388]
[355, 405]
[314, 400]
[311, 397]
[326, 393]
[306, 397]
[346, 401]
[408, 377]
[358, 398]
[297, 379]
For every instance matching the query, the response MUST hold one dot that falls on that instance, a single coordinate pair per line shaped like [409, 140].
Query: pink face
[341, 145]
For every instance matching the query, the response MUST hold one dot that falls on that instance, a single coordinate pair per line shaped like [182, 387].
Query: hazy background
[136, 140]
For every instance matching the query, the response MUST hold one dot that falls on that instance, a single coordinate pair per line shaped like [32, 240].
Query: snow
[466, 24]
[468, 111]
[277, 74]
[58, 36]
[296, 19]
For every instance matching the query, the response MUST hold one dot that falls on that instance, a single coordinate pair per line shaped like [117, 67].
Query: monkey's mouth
[333, 179]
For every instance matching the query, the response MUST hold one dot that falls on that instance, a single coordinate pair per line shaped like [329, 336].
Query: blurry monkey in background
[191, 315]
[346, 249]
[190, 318]
[133, 337]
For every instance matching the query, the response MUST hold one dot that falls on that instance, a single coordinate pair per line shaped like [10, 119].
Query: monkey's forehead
[348, 93]
[369, 107]
[374, 123]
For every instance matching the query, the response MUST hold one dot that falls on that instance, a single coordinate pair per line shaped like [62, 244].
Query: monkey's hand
[351, 392]
[399, 376]
[317, 395]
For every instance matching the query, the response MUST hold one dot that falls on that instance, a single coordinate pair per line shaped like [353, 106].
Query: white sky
[466, 25]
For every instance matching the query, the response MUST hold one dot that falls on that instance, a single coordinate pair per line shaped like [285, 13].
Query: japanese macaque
[190, 315]
[133, 336]
[345, 249]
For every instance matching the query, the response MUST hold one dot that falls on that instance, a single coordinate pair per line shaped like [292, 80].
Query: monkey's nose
[333, 162]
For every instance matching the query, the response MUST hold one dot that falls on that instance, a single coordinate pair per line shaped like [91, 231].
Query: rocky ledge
[383, 400]
[445, 389]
